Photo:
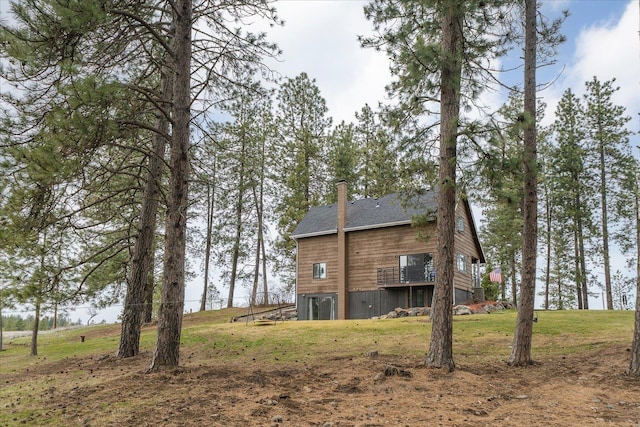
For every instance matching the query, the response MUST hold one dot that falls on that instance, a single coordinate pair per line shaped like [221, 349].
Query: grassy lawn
[211, 333]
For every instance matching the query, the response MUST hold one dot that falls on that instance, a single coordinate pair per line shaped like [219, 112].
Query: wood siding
[465, 245]
[369, 250]
[312, 250]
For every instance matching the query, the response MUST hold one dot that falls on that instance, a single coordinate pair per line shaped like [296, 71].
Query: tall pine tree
[435, 47]
[610, 156]
[303, 128]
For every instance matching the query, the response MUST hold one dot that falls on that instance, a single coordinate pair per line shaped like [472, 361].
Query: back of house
[363, 258]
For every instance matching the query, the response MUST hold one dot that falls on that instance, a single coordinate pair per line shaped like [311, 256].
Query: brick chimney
[343, 293]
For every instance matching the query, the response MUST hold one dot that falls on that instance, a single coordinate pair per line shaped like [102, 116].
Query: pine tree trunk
[142, 265]
[560, 294]
[234, 259]
[34, 331]
[548, 236]
[167, 351]
[149, 287]
[1, 325]
[258, 198]
[521, 350]
[605, 227]
[237, 240]
[208, 244]
[514, 282]
[583, 267]
[634, 365]
[265, 288]
[441, 348]
[576, 266]
[256, 267]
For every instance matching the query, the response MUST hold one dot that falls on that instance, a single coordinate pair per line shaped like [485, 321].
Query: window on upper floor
[320, 270]
[460, 224]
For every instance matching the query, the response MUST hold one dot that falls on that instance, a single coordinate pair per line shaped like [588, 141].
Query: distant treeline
[18, 323]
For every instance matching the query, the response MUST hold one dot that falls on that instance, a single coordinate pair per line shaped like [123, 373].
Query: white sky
[320, 38]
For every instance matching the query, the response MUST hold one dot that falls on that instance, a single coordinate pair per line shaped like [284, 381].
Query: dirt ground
[368, 390]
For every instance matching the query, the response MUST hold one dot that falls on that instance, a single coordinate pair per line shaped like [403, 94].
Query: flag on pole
[496, 275]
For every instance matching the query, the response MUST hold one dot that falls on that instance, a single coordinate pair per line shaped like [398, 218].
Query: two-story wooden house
[363, 258]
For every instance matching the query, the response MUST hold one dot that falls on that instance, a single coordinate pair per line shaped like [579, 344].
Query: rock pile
[289, 313]
[484, 307]
[406, 312]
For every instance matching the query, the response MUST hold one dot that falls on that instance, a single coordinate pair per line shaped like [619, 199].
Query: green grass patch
[556, 332]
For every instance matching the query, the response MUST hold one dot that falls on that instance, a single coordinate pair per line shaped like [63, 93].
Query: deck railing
[394, 276]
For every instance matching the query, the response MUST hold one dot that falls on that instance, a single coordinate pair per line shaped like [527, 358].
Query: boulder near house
[363, 258]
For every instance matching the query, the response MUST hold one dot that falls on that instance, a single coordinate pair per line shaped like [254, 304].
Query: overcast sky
[320, 38]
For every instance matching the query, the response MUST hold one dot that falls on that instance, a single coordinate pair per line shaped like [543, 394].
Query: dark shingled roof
[364, 214]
